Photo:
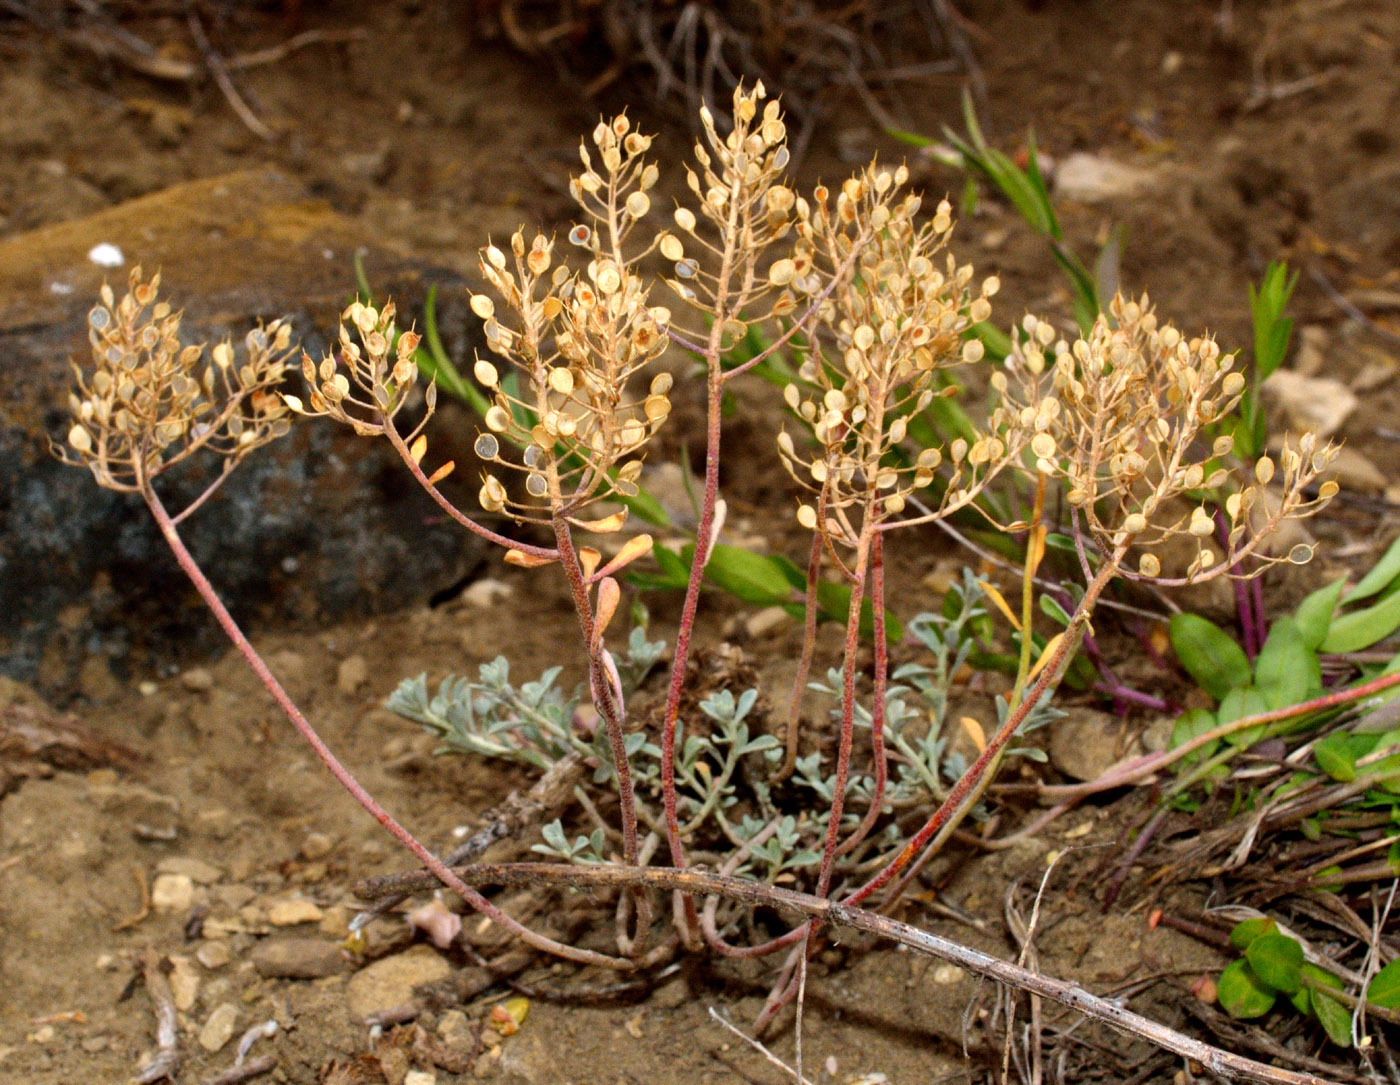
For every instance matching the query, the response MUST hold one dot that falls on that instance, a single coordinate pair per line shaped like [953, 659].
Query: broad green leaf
[1193, 722]
[1331, 1013]
[1245, 932]
[675, 568]
[1385, 986]
[1215, 661]
[1363, 628]
[1314, 614]
[1277, 960]
[753, 578]
[1242, 993]
[1334, 757]
[835, 602]
[1239, 703]
[1052, 609]
[1287, 671]
[1382, 573]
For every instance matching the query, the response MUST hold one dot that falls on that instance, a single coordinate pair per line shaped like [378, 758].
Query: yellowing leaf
[442, 472]
[1035, 551]
[630, 552]
[605, 526]
[588, 558]
[975, 732]
[526, 561]
[418, 448]
[609, 593]
[1000, 600]
[1050, 646]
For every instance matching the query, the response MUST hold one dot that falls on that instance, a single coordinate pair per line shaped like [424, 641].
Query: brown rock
[298, 958]
[389, 982]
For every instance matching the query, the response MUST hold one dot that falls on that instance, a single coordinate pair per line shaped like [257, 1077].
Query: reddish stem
[877, 697]
[848, 708]
[343, 775]
[1052, 672]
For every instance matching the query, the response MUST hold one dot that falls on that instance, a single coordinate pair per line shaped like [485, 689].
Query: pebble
[486, 592]
[765, 621]
[336, 922]
[456, 1031]
[418, 1077]
[948, 974]
[1086, 744]
[197, 680]
[316, 846]
[297, 958]
[220, 1027]
[1093, 179]
[214, 954]
[1322, 404]
[389, 982]
[1354, 472]
[197, 870]
[184, 983]
[288, 913]
[172, 893]
[352, 673]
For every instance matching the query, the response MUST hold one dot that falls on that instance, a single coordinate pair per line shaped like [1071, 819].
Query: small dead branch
[825, 911]
[263, 1064]
[165, 1063]
[513, 815]
[757, 1046]
[144, 889]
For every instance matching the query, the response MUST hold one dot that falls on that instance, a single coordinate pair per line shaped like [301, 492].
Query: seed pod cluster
[741, 209]
[877, 355]
[366, 382]
[1121, 417]
[149, 401]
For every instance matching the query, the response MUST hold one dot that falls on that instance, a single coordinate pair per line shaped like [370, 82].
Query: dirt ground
[1251, 131]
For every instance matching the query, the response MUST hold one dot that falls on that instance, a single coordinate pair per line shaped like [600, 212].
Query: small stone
[147, 688]
[1093, 179]
[352, 673]
[288, 913]
[765, 621]
[220, 1027]
[389, 982]
[486, 592]
[197, 680]
[41, 1035]
[297, 958]
[93, 1044]
[948, 974]
[96, 680]
[1086, 744]
[456, 1031]
[1313, 341]
[197, 870]
[214, 954]
[184, 983]
[316, 846]
[172, 893]
[1320, 404]
[336, 922]
[418, 1077]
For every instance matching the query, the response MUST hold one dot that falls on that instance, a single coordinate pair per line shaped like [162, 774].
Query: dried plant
[865, 293]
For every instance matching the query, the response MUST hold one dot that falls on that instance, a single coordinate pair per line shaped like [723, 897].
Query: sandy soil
[1254, 131]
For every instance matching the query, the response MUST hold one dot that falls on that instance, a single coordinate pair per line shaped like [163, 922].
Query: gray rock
[298, 958]
[319, 525]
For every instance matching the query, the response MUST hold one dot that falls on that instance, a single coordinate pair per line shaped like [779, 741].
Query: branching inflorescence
[863, 292]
